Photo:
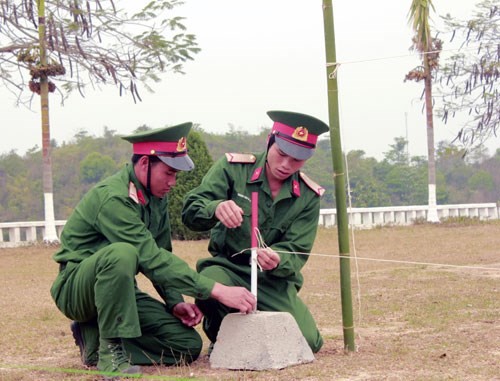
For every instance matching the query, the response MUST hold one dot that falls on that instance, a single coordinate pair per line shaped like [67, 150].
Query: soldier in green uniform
[120, 228]
[288, 216]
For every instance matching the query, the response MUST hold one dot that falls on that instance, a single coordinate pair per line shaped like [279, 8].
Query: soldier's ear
[142, 165]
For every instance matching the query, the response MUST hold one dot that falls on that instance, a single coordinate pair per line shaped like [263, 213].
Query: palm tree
[50, 235]
[429, 50]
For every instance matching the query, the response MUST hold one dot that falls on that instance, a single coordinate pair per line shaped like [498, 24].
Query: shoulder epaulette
[318, 189]
[242, 158]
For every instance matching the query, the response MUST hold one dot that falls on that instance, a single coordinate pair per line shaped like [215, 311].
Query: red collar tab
[136, 194]
[256, 174]
[296, 188]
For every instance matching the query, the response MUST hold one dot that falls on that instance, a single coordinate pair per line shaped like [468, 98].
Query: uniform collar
[135, 189]
[258, 174]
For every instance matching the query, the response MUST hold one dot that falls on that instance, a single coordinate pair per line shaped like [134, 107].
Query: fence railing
[367, 218]
[14, 234]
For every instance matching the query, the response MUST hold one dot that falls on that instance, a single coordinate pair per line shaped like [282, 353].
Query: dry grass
[412, 321]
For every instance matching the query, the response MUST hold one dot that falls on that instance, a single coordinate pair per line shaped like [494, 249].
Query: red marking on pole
[255, 217]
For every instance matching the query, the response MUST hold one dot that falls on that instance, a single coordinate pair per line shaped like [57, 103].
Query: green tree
[15, 186]
[492, 166]
[403, 177]
[233, 141]
[95, 167]
[398, 154]
[320, 168]
[186, 181]
[481, 180]
[366, 189]
[397, 175]
[456, 172]
[429, 49]
[47, 37]
[67, 182]
[468, 81]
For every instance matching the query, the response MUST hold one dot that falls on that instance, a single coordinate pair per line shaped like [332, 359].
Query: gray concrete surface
[260, 341]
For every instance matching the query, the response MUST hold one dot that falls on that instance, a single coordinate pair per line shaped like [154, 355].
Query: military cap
[296, 134]
[169, 144]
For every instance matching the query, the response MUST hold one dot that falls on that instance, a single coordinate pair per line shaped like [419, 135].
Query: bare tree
[468, 81]
[85, 43]
[429, 50]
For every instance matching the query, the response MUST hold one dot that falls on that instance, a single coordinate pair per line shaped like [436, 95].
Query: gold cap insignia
[301, 134]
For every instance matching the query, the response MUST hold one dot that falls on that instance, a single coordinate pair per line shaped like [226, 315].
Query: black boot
[88, 351]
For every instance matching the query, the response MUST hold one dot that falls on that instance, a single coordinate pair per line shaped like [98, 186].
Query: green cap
[296, 134]
[169, 144]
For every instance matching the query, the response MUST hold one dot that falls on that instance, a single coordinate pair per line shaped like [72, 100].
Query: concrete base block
[260, 341]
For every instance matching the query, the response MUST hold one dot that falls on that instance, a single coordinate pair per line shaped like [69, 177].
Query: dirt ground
[425, 299]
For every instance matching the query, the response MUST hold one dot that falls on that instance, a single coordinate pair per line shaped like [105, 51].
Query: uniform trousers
[273, 294]
[101, 293]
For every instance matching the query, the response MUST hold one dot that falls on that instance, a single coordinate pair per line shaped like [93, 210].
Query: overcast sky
[268, 55]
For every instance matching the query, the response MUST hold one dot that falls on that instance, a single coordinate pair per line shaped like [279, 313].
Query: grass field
[413, 320]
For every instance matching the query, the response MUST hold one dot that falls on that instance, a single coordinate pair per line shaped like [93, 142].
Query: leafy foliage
[95, 167]
[92, 37]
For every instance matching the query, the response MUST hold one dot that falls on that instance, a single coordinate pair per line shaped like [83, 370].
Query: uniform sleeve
[198, 211]
[297, 241]
[119, 221]
[163, 239]
[169, 295]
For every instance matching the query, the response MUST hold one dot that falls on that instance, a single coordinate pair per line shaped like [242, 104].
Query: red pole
[255, 218]
[254, 240]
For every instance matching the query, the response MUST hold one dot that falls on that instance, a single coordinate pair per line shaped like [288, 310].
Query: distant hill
[396, 180]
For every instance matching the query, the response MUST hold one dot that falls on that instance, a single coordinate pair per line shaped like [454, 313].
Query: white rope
[385, 260]
[413, 53]
[396, 261]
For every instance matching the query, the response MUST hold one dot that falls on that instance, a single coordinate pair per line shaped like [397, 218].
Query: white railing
[14, 234]
[367, 218]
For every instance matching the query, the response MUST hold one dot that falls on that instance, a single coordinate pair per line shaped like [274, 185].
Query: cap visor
[181, 163]
[293, 150]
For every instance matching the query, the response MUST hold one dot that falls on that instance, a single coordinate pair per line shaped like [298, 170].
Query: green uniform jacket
[120, 210]
[288, 223]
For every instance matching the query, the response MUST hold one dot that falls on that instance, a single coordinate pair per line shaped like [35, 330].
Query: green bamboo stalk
[339, 177]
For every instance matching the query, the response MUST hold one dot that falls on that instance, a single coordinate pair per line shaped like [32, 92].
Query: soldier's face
[163, 179]
[280, 166]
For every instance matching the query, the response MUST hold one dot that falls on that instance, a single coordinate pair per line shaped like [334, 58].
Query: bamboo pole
[339, 177]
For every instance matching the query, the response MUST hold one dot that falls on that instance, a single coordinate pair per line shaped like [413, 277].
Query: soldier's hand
[229, 213]
[268, 259]
[235, 297]
[188, 313]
